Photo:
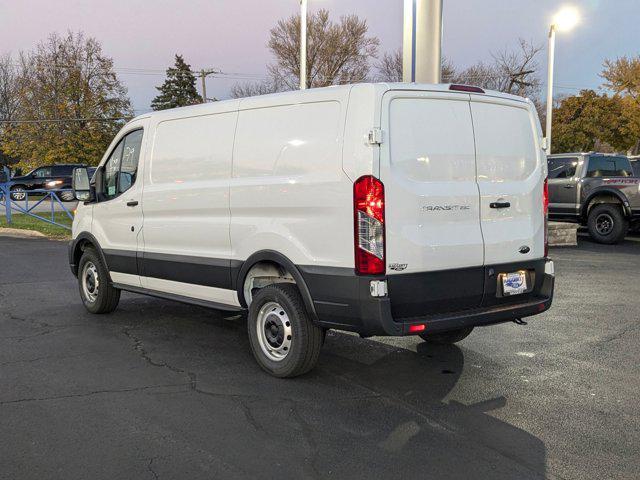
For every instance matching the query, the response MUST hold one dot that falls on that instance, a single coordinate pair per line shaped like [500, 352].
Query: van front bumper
[343, 300]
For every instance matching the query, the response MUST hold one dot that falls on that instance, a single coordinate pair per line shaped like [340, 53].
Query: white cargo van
[381, 209]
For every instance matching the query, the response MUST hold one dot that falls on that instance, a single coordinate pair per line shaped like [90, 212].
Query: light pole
[303, 44]
[565, 20]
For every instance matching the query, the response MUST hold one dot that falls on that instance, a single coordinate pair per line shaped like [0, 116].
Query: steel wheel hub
[274, 332]
[90, 282]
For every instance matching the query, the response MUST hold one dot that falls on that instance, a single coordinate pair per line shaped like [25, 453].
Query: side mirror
[81, 184]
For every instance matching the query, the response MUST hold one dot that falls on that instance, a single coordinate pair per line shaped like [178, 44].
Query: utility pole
[303, 44]
[203, 77]
[422, 43]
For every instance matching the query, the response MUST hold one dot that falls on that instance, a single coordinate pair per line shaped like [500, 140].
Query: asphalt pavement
[164, 390]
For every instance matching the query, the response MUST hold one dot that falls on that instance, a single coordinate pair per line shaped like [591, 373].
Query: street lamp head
[566, 19]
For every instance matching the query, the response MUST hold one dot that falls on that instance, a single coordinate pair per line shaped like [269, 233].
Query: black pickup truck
[52, 177]
[596, 190]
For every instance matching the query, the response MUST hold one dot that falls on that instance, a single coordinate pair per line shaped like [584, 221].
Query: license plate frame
[514, 283]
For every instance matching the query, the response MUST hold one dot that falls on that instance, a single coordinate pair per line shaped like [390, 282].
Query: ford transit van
[380, 209]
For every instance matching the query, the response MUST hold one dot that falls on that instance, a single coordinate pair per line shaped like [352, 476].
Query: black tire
[106, 298]
[67, 196]
[306, 338]
[18, 193]
[447, 338]
[607, 224]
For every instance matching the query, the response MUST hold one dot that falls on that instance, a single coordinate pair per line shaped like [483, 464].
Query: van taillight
[368, 216]
[545, 209]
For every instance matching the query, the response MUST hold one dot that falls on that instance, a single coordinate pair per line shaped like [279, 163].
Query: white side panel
[211, 294]
[125, 278]
[289, 192]
[429, 173]
[186, 192]
[510, 169]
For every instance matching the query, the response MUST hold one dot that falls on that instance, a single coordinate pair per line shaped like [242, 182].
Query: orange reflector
[417, 328]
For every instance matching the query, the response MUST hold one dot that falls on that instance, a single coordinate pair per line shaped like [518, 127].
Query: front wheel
[284, 340]
[67, 196]
[447, 338]
[96, 291]
[607, 224]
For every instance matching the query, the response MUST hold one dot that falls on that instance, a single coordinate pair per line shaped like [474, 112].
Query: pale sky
[231, 35]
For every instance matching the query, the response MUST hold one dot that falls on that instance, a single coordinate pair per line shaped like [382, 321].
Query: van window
[609, 166]
[121, 168]
[562, 167]
[111, 170]
[130, 157]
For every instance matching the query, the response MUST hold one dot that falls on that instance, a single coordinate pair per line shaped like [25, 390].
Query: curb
[18, 233]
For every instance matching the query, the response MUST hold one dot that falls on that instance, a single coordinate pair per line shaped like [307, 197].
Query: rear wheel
[96, 292]
[607, 224]
[447, 338]
[284, 340]
[18, 193]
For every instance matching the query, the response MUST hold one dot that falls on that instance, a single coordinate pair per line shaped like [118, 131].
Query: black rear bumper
[442, 301]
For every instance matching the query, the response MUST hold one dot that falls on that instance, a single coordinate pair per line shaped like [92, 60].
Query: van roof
[312, 94]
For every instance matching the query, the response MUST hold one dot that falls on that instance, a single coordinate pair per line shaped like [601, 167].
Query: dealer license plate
[514, 283]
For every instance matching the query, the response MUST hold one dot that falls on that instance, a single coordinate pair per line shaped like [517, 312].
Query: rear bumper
[343, 300]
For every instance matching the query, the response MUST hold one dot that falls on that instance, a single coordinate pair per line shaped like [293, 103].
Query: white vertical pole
[422, 42]
[303, 44]
[552, 54]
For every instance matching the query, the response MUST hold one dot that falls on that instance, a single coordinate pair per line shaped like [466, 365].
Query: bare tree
[512, 71]
[8, 88]
[390, 68]
[337, 53]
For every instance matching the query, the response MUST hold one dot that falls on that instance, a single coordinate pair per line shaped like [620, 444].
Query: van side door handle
[500, 205]
[569, 185]
[132, 203]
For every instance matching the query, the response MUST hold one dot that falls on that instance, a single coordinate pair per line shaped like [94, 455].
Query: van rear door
[434, 245]
[511, 179]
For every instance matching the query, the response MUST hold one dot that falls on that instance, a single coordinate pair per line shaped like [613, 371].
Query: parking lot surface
[164, 390]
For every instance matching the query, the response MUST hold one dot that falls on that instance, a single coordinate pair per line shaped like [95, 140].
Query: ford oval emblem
[524, 250]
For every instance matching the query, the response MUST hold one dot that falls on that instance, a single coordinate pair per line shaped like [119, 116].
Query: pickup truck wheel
[18, 193]
[96, 292]
[447, 338]
[67, 196]
[283, 339]
[607, 224]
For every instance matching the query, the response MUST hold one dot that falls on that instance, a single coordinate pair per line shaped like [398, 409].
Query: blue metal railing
[9, 205]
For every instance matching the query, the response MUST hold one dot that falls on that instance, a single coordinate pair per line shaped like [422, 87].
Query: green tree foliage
[70, 103]
[623, 77]
[590, 121]
[178, 89]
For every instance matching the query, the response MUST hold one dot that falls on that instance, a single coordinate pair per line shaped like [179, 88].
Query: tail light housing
[369, 228]
[545, 209]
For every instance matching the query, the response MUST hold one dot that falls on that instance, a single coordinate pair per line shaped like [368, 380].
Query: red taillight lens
[466, 88]
[417, 328]
[368, 216]
[545, 209]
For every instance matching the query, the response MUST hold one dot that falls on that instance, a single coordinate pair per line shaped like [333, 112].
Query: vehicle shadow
[369, 409]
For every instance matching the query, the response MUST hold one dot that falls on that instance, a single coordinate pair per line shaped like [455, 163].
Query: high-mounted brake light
[545, 210]
[466, 88]
[368, 221]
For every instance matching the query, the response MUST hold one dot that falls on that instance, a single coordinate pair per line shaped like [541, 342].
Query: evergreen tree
[178, 89]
